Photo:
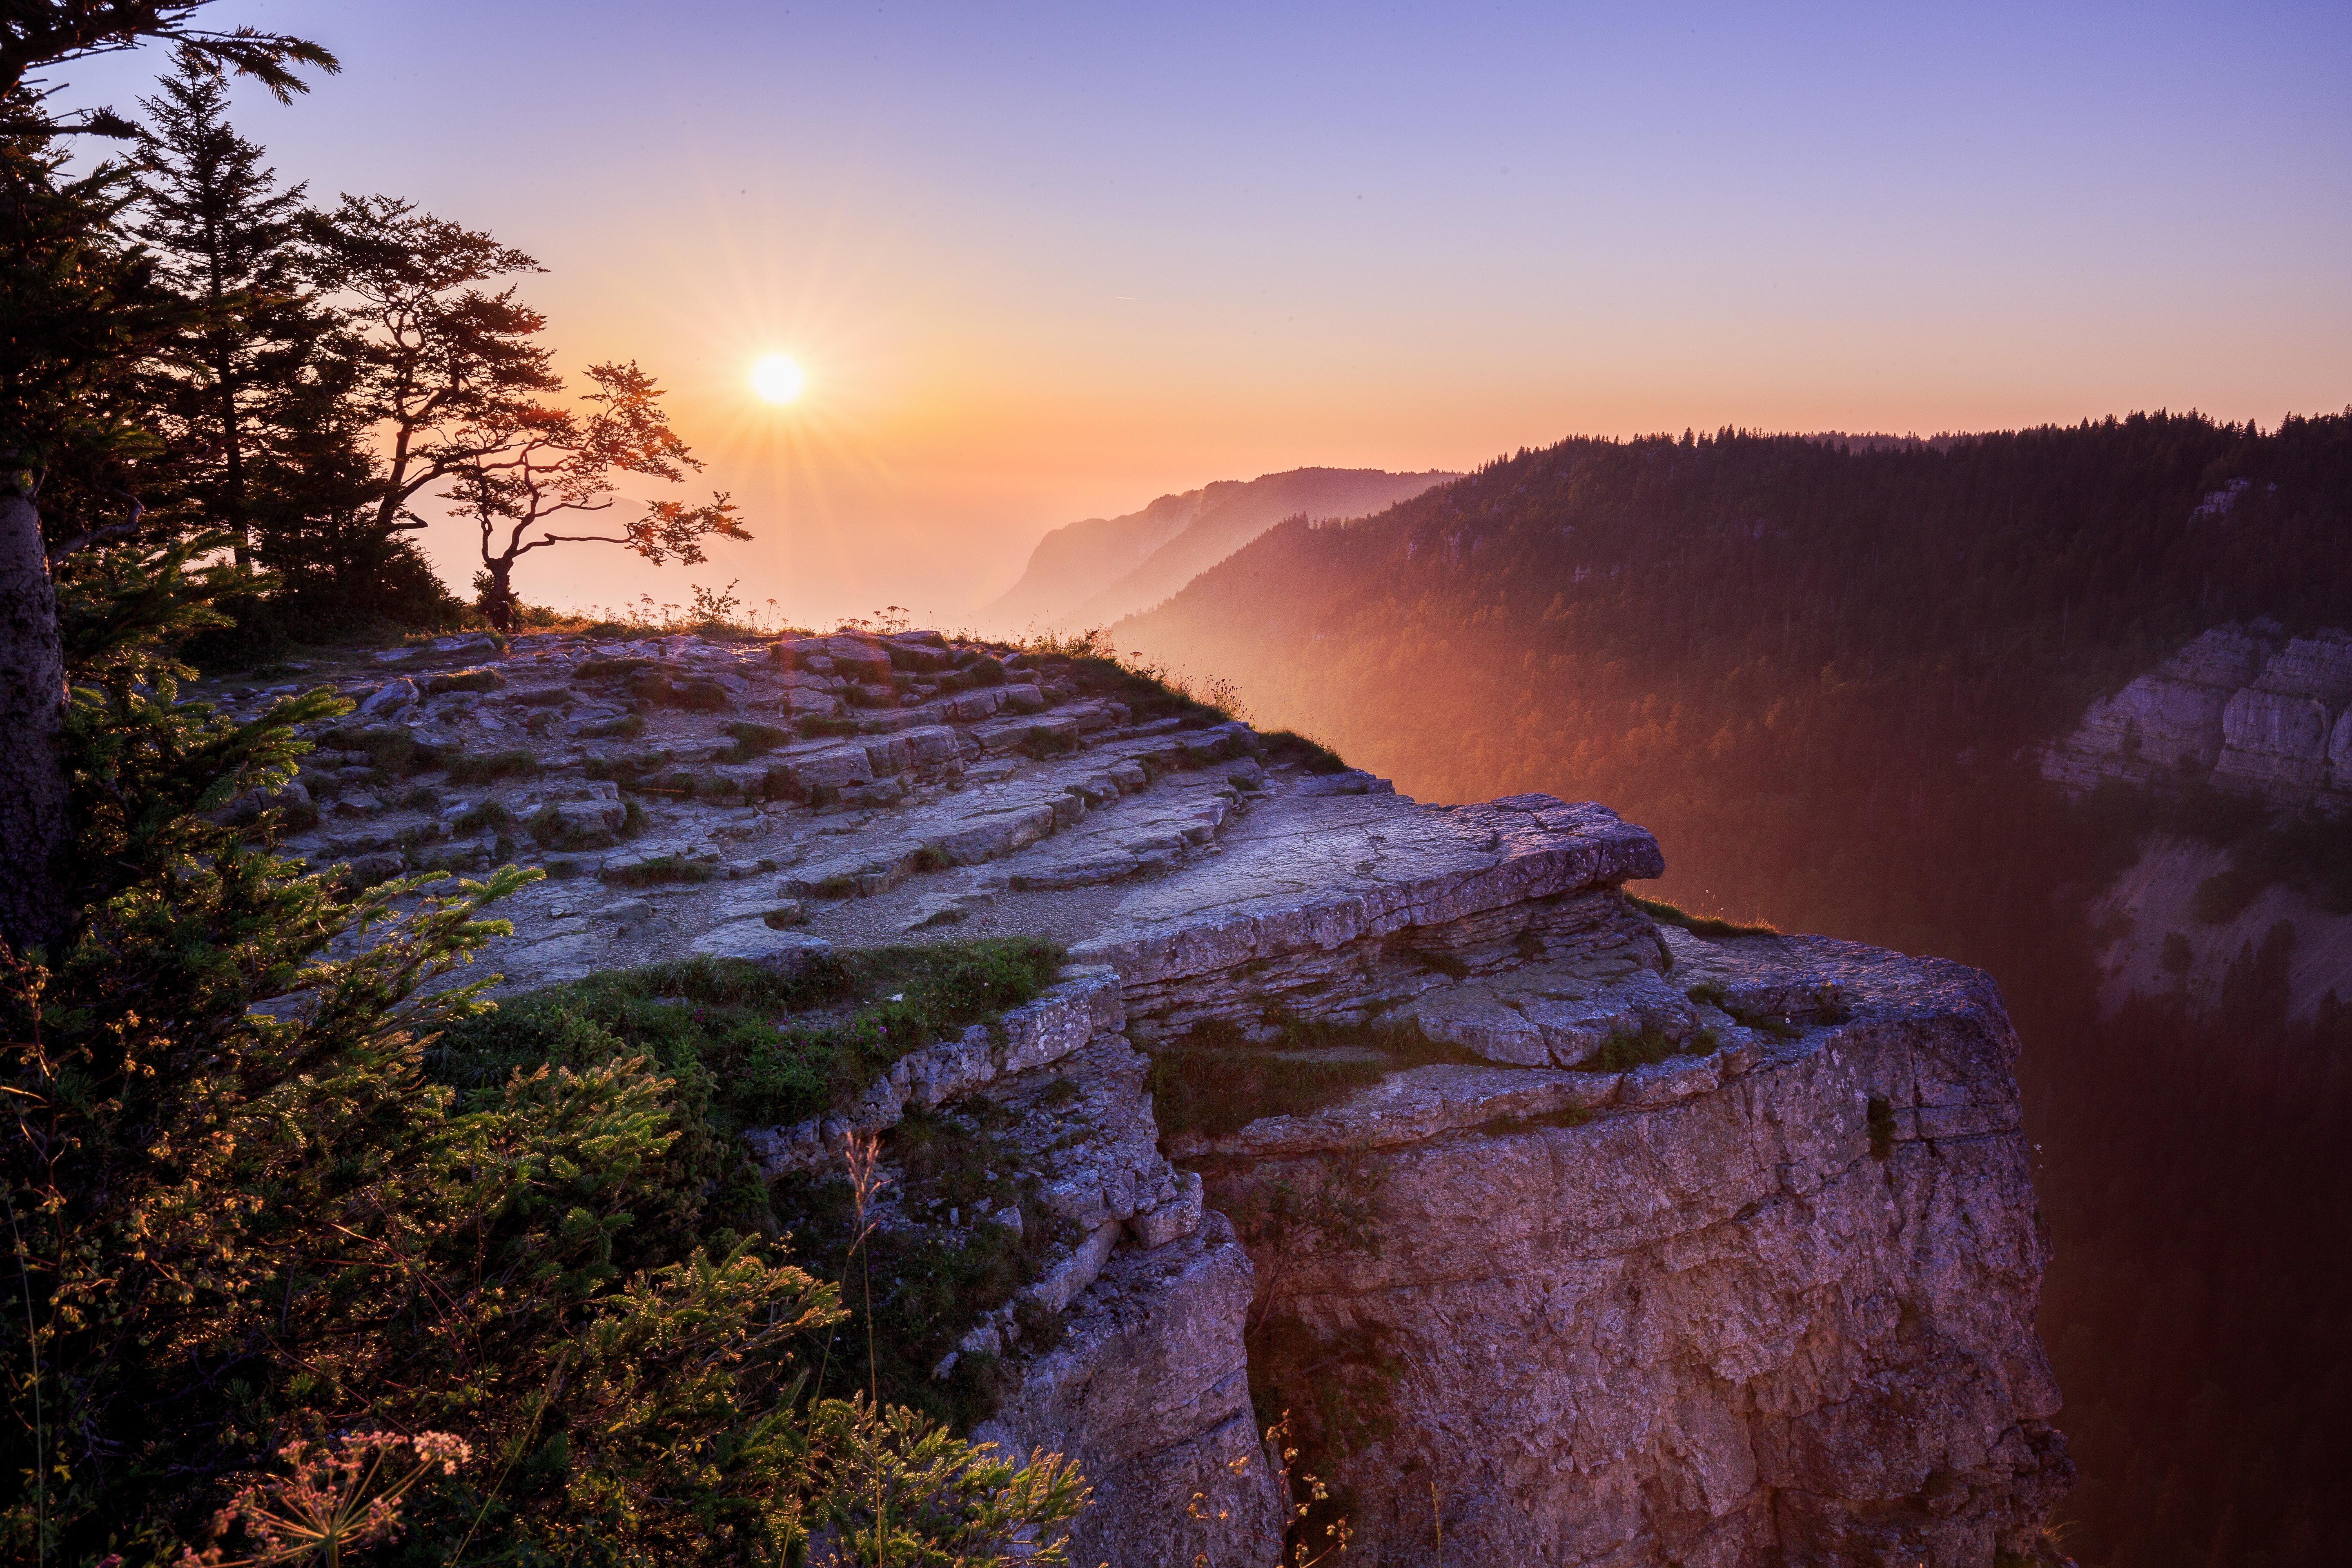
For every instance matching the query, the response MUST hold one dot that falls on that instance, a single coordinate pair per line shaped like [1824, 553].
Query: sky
[1046, 262]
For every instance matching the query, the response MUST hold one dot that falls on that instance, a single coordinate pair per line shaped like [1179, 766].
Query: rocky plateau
[1620, 1245]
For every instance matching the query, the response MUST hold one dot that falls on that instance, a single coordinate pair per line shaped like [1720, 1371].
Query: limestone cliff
[1572, 1237]
[2254, 714]
[2243, 706]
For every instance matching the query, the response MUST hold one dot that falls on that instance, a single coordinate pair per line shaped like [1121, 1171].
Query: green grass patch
[481, 767]
[548, 831]
[1697, 925]
[628, 726]
[812, 726]
[1212, 1083]
[743, 1046]
[753, 740]
[474, 818]
[775, 1050]
[464, 681]
[689, 693]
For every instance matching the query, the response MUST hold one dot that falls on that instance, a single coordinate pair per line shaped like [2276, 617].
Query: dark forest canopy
[1989, 587]
[1820, 677]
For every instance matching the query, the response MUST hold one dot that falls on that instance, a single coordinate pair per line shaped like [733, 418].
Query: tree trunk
[232, 459]
[34, 826]
[498, 603]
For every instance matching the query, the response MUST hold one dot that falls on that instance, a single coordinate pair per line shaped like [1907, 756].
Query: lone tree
[545, 467]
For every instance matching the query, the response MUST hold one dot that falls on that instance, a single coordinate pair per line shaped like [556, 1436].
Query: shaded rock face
[1783, 1315]
[2248, 708]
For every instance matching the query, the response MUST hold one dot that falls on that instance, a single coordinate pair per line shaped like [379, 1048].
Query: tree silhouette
[540, 467]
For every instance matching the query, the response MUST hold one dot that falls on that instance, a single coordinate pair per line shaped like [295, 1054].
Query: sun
[778, 379]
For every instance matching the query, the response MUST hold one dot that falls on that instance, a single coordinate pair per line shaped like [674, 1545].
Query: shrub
[483, 767]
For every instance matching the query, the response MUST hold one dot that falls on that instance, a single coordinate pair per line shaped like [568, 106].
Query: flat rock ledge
[1767, 1296]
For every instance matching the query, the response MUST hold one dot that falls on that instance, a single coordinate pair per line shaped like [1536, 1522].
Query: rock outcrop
[1612, 1244]
[2238, 705]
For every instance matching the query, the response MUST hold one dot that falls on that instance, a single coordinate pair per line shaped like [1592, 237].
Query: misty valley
[1769, 997]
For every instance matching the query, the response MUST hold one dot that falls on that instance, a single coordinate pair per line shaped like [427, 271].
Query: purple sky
[1041, 262]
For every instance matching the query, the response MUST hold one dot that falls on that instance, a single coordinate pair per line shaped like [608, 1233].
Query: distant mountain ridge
[1095, 572]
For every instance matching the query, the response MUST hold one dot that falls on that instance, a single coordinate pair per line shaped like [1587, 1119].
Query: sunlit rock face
[2238, 705]
[2275, 734]
[1771, 1302]
[1625, 1246]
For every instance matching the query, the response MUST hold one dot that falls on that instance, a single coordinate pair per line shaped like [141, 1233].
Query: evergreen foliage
[272, 1292]
[244, 1218]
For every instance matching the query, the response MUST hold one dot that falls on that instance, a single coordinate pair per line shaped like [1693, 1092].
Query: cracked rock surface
[1628, 1248]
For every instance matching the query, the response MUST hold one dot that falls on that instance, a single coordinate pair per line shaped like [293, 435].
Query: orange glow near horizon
[1036, 269]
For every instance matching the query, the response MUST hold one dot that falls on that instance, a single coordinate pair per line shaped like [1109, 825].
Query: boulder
[809, 769]
[388, 699]
[857, 658]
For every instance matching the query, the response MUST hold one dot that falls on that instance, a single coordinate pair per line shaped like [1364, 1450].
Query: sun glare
[778, 379]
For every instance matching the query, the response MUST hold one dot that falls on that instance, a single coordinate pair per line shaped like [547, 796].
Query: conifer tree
[227, 236]
[82, 309]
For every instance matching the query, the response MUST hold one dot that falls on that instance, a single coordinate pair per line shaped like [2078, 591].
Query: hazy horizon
[1045, 264]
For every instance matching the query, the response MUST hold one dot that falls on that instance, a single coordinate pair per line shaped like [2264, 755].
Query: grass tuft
[1212, 1082]
[482, 767]
[1697, 925]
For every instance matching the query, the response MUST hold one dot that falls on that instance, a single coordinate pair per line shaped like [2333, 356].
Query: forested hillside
[1819, 674]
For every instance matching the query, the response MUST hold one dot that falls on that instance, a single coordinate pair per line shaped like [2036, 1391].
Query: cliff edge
[1548, 1229]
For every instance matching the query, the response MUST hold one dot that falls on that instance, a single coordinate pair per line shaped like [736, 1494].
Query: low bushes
[1212, 1082]
[484, 766]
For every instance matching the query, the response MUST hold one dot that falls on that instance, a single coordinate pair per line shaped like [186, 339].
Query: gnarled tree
[547, 468]
[448, 365]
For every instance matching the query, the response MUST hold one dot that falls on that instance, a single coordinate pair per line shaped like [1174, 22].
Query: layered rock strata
[1694, 1252]
[2239, 705]
[1629, 1248]
[1773, 1303]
